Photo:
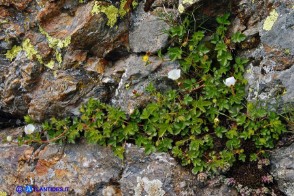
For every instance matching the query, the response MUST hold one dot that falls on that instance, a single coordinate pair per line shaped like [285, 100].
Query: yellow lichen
[54, 42]
[50, 65]
[122, 12]
[135, 3]
[190, 2]
[270, 20]
[11, 54]
[30, 50]
[58, 57]
[111, 12]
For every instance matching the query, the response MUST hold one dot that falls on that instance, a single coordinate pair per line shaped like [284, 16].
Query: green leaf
[197, 36]
[201, 104]
[119, 152]
[224, 58]
[140, 140]
[187, 99]
[164, 145]
[149, 148]
[224, 19]
[242, 157]
[238, 37]
[220, 48]
[175, 53]
[131, 129]
[253, 157]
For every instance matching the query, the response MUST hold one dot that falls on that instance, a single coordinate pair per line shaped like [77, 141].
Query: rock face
[92, 170]
[55, 55]
[66, 53]
[270, 75]
[283, 168]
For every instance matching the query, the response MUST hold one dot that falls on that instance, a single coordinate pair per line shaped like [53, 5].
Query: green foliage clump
[204, 123]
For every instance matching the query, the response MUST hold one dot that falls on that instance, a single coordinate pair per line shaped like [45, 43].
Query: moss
[11, 54]
[270, 20]
[111, 12]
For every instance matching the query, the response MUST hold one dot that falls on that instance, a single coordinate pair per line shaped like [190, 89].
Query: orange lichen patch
[43, 166]
[60, 173]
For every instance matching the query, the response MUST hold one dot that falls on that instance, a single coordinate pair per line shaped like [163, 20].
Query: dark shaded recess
[248, 174]
[206, 11]
[117, 53]
[148, 5]
[165, 84]
[97, 190]
[8, 120]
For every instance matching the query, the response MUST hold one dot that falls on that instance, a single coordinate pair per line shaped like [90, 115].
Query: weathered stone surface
[87, 31]
[93, 170]
[19, 79]
[270, 74]
[147, 33]
[159, 174]
[282, 161]
[137, 75]
[282, 31]
[62, 93]
[19, 4]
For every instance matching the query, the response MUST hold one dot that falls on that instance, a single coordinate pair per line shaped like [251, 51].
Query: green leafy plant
[204, 123]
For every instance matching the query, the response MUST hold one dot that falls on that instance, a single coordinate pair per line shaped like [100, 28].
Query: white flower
[174, 74]
[230, 81]
[181, 8]
[29, 129]
[9, 138]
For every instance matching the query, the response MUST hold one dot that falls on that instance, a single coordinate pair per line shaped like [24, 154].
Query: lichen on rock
[151, 187]
[111, 12]
[270, 20]
[11, 54]
[54, 42]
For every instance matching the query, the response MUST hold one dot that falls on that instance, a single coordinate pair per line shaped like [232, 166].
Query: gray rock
[282, 168]
[281, 34]
[147, 33]
[270, 75]
[94, 170]
[137, 75]
[287, 78]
